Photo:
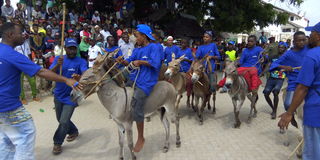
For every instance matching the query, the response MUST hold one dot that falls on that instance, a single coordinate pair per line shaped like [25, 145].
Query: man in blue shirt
[252, 55]
[291, 62]
[308, 89]
[171, 48]
[112, 46]
[210, 49]
[72, 67]
[17, 130]
[148, 60]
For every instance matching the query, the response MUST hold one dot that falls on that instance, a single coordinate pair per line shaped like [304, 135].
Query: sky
[310, 7]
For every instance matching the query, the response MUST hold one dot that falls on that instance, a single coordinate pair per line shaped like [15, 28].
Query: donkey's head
[198, 69]
[231, 73]
[91, 76]
[174, 66]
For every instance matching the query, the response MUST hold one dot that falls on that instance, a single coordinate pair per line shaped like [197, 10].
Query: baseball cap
[315, 28]
[283, 44]
[70, 42]
[231, 42]
[145, 29]
[169, 38]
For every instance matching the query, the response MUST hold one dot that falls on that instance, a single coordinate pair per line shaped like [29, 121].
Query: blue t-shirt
[148, 75]
[310, 76]
[76, 65]
[168, 52]
[293, 59]
[250, 58]
[210, 49]
[12, 63]
[113, 49]
[161, 52]
[185, 66]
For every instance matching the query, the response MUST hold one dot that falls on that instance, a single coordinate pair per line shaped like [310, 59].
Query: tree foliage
[224, 15]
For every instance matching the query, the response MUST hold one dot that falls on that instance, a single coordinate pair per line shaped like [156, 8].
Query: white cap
[170, 37]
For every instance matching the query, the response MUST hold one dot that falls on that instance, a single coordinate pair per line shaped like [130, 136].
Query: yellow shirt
[232, 55]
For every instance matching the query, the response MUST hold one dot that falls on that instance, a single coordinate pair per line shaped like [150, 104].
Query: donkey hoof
[165, 149]
[194, 108]
[299, 155]
[237, 125]
[178, 144]
[121, 158]
[148, 119]
[134, 158]
[214, 111]
[249, 120]
[286, 144]
[200, 122]
[282, 131]
[209, 107]
[254, 115]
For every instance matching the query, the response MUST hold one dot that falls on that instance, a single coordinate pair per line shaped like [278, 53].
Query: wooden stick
[62, 34]
[296, 149]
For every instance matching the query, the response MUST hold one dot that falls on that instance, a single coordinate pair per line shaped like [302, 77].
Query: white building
[296, 22]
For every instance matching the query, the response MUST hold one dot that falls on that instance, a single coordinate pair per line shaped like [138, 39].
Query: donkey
[117, 100]
[299, 115]
[238, 91]
[201, 88]
[177, 78]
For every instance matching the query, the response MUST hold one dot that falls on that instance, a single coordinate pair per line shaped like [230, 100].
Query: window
[286, 30]
[292, 18]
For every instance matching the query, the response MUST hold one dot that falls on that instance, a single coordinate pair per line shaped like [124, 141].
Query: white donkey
[117, 100]
[238, 91]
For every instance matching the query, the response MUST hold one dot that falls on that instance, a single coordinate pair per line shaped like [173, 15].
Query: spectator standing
[7, 10]
[126, 47]
[25, 50]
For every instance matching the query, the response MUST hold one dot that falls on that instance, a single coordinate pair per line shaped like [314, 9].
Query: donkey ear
[173, 56]
[115, 52]
[204, 58]
[182, 57]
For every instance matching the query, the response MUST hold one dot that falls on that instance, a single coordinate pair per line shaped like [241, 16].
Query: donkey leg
[237, 112]
[128, 128]
[121, 131]
[195, 107]
[255, 99]
[166, 125]
[209, 106]
[214, 102]
[176, 120]
[177, 104]
[203, 105]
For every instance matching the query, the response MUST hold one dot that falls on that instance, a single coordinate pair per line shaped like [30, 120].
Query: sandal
[57, 149]
[72, 137]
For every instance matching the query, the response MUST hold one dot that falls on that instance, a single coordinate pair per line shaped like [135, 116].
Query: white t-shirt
[95, 19]
[57, 50]
[93, 54]
[24, 49]
[105, 34]
[126, 49]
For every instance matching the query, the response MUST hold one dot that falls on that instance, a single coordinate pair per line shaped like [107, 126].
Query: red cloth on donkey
[251, 76]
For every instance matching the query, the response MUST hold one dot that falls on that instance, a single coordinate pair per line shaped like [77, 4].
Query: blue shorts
[273, 85]
[311, 149]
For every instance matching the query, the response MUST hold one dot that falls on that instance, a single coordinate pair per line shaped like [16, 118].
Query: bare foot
[24, 102]
[139, 145]
[37, 99]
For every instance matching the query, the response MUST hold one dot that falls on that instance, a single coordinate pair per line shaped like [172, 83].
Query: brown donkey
[201, 88]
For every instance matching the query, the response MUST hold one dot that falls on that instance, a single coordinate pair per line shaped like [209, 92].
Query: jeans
[63, 113]
[138, 100]
[17, 135]
[32, 83]
[311, 149]
[288, 99]
[273, 85]
[212, 82]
